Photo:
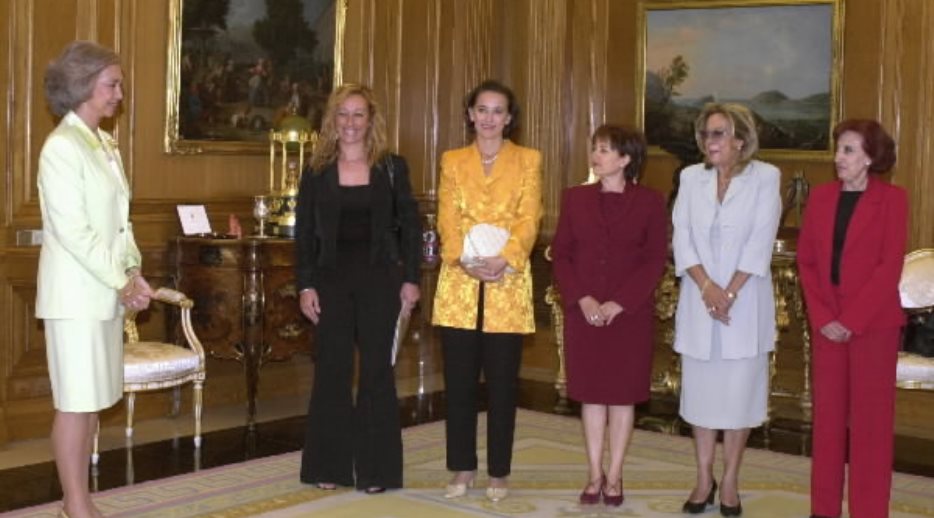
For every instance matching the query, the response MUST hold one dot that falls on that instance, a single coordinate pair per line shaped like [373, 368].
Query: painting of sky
[739, 52]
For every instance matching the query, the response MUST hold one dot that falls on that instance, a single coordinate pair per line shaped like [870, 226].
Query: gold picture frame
[798, 122]
[213, 102]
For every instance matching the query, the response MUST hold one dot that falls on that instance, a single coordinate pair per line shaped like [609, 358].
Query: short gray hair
[741, 121]
[70, 78]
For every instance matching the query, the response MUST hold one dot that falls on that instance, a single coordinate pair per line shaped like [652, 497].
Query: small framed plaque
[194, 219]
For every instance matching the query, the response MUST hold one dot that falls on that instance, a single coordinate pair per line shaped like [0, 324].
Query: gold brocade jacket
[511, 198]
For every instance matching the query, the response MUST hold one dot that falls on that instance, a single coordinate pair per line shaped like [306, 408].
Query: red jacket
[870, 263]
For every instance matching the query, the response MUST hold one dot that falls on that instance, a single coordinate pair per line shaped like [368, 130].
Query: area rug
[548, 472]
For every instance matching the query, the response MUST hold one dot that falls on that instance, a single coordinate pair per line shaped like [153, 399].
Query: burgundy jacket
[619, 260]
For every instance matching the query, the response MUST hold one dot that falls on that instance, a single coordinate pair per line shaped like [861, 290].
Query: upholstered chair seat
[915, 371]
[156, 362]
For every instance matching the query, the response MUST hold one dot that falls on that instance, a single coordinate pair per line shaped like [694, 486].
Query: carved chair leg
[197, 396]
[95, 453]
[176, 401]
[130, 404]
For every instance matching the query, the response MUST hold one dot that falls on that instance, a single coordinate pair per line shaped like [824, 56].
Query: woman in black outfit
[357, 246]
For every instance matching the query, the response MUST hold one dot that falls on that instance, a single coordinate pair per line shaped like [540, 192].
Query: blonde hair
[70, 78]
[327, 149]
[741, 122]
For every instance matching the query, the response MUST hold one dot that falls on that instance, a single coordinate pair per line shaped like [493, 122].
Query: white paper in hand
[402, 326]
[483, 240]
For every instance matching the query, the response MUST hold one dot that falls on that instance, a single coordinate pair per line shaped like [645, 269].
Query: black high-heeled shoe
[731, 510]
[699, 507]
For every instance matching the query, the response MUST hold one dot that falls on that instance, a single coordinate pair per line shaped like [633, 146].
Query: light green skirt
[85, 363]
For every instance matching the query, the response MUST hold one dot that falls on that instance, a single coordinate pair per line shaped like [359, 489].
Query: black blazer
[396, 239]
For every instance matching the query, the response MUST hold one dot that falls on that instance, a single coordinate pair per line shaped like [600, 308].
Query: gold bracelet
[705, 284]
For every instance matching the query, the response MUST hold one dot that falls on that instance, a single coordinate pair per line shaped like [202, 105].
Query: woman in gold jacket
[484, 304]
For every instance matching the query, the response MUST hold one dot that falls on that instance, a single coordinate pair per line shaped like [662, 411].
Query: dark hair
[493, 86]
[625, 141]
[70, 79]
[877, 144]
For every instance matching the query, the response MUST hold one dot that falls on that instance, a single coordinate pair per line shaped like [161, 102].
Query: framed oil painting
[779, 58]
[237, 67]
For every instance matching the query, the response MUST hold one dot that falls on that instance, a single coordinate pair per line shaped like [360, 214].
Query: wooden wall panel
[907, 106]
[543, 87]
[419, 64]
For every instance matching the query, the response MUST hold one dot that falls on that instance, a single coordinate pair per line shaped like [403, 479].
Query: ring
[710, 309]
[593, 317]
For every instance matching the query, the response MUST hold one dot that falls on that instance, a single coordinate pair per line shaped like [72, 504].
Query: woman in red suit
[609, 253]
[850, 256]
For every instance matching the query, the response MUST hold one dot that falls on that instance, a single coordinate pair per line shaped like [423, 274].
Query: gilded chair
[158, 365]
[916, 288]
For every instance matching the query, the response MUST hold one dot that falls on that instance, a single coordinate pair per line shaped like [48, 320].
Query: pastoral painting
[240, 66]
[778, 59]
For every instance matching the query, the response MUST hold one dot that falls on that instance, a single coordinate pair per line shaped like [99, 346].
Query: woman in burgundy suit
[609, 253]
[850, 256]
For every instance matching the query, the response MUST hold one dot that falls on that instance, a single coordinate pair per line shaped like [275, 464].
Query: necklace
[485, 160]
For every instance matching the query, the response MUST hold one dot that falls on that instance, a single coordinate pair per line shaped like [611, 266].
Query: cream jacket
[748, 222]
[87, 239]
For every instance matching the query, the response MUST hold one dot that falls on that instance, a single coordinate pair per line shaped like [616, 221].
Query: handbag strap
[391, 171]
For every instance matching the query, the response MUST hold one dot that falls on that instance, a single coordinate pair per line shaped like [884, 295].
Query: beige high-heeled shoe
[497, 493]
[459, 489]
[62, 513]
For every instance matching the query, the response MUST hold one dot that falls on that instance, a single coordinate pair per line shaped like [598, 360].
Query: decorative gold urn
[287, 148]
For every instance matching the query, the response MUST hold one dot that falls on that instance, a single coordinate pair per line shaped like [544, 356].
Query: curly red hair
[877, 144]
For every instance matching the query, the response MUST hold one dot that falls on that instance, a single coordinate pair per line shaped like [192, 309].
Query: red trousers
[854, 414]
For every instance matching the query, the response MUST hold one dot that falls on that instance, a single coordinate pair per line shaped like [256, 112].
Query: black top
[395, 228]
[845, 208]
[353, 233]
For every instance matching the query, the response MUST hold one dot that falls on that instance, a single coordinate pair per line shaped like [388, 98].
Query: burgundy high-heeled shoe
[613, 500]
[593, 498]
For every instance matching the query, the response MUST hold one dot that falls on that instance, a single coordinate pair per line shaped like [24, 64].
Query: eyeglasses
[714, 135]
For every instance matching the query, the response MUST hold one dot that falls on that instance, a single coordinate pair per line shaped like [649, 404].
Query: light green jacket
[87, 238]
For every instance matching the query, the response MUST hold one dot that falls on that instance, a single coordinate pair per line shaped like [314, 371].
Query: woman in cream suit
[484, 307]
[725, 219]
[89, 264]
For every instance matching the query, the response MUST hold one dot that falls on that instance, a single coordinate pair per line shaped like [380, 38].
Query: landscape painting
[238, 67]
[779, 59]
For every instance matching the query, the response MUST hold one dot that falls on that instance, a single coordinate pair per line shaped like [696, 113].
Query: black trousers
[467, 353]
[345, 443]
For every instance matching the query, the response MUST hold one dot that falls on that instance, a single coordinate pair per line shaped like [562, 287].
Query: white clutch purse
[483, 240]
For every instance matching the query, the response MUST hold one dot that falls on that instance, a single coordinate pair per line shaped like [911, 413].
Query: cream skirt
[85, 363]
[724, 394]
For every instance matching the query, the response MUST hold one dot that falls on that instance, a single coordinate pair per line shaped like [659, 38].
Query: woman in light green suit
[89, 265]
